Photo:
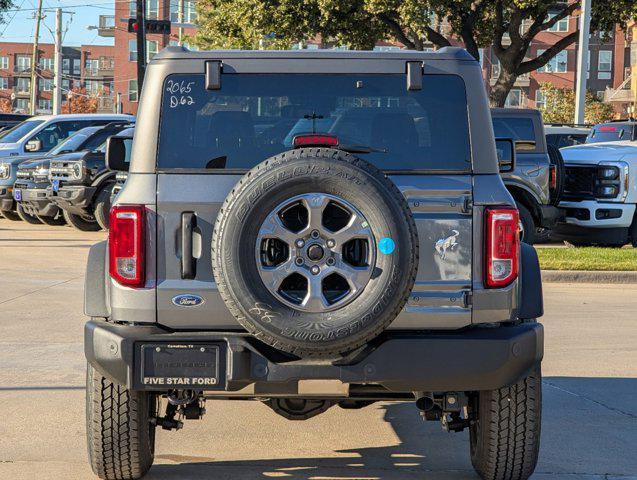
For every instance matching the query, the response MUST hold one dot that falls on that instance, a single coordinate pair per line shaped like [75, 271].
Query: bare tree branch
[541, 60]
[437, 38]
[397, 30]
[538, 25]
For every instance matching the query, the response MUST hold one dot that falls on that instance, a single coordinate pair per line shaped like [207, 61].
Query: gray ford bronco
[311, 230]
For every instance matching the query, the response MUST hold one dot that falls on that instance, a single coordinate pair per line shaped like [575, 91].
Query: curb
[588, 276]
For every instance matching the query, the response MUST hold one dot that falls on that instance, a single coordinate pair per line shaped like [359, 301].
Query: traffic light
[161, 27]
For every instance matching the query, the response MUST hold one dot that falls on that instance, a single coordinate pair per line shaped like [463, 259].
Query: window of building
[151, 50]
[93, 86]
[190, 14]
[4, 63]
[152, 9]
[132, 91]
[46, 63]
[540, 99]
[561, 26]
[44, 104]
[22, 104]
[4, 83]
[600, 95]
[604, 64]
[557, 64]
[65, 84]
[92, 66]
[46, 85]
[66, 65]
[23, 85]
[76, 66]
[23, 63]
[515, 98]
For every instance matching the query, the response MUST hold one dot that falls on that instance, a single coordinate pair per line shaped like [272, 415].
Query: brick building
[88, 66]
[125, 84]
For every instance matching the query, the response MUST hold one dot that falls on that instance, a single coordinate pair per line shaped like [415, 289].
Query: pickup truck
[600, 194]
[536, 181]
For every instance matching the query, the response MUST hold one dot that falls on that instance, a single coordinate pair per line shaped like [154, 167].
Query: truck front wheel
[505, 434]
[120, 435]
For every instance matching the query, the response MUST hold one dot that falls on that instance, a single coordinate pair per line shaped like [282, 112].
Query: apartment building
[608, 60]
[125, 78]
[88, 66]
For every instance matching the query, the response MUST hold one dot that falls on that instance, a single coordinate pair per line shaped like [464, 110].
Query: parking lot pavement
[589, 429]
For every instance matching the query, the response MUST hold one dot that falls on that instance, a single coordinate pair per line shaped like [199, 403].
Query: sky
[18, 24]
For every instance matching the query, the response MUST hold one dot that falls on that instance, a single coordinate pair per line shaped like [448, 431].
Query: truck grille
[580, 182]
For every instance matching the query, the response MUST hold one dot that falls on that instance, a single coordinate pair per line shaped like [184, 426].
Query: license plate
[17, 194]
[182, 366]
[55, 184]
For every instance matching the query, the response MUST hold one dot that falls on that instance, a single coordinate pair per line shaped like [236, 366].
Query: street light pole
[34, 57]
[582, 61]
[57, 64]
[141, 44]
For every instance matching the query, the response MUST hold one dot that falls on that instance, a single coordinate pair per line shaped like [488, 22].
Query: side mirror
[33, 146]
[506, 154]
[118, 153]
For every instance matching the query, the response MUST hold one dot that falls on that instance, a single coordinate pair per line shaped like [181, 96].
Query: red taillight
[126, 245]
[503, 246]
[607, 129]
[315, 140]
[553, 177]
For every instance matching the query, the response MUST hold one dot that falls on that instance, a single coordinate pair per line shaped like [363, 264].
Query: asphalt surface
[589, 428]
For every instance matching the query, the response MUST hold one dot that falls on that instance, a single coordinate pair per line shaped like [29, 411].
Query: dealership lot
[590, 412]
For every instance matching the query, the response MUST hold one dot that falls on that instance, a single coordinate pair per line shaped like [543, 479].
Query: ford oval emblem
[188, 300]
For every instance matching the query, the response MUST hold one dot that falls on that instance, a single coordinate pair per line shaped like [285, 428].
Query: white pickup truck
[600, 194]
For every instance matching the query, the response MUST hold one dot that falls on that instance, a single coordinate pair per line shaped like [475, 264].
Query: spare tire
[315, 251]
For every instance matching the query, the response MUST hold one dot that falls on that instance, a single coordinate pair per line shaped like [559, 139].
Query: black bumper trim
[592, 235]
[550, 215]
[76, 199]
[475, 359]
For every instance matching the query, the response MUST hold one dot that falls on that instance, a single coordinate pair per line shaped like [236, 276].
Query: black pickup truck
[81, 186]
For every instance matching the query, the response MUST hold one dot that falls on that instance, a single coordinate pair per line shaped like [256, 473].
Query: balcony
[105, 68]
[22, 71]
[21, 93]
[106, 26]
[523, 80]
[619, 95]
[105, 104]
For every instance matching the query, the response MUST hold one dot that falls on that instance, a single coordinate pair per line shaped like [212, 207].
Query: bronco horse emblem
[448, 243]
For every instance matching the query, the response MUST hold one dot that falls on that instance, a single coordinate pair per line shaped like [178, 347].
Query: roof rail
[584, 125]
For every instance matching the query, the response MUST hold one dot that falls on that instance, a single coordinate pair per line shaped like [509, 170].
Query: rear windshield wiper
[362, 149]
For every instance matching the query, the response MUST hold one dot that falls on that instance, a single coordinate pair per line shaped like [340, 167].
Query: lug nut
[300, 243]
[331, 243]
[299, 261]
[315, 234]
[315, 270]
[331, 261]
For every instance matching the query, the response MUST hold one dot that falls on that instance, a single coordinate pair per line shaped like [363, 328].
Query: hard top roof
[446, 53]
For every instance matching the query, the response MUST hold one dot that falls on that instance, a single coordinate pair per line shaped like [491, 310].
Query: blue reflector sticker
[386, 246]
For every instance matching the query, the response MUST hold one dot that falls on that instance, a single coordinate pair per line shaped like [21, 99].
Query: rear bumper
[550, 215]
[475, 359]
[77, 199]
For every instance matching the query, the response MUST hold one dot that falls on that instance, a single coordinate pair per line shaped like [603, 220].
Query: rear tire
[505, 437]
[103, 206]
[55, 221]
[32, 219]
[81, 223]
[120, 437]
[528, 225]
[11, 215]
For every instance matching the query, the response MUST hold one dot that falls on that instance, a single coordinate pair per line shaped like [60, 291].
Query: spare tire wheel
[315, 251]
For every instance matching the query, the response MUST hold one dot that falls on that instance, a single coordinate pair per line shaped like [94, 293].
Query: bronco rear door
[210, 137]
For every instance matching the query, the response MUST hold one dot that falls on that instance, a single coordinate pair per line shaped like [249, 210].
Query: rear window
[610, 133]
[517, 129]
[255, 116]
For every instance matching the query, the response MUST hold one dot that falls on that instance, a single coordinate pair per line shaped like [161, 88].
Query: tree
[560, 106]
[5, 105]
[508, 26]
[78, 101]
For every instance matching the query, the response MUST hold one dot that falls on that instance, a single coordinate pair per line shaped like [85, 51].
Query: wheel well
[525, 198]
